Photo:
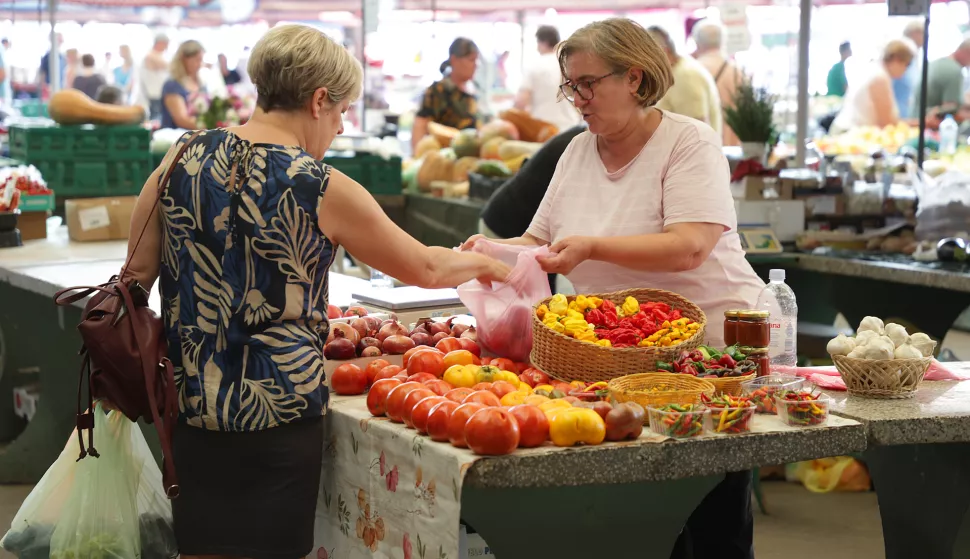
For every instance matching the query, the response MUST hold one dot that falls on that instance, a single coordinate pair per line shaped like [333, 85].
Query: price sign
[907, 7]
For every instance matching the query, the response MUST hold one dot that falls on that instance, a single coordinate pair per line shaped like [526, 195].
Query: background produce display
[866, 139]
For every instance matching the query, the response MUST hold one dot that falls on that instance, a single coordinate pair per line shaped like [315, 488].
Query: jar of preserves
[760, 356]
[753, 329]
[731, 327]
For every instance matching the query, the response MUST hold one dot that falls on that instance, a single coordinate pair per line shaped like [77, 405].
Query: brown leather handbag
[123, 355]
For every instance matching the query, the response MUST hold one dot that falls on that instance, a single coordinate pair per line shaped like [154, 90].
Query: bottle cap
[776, 275]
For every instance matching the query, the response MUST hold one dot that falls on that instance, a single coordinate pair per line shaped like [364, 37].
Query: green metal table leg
[759, 495]
[576, 522]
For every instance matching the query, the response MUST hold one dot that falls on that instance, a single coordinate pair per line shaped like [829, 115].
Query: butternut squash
[512, 149]
[437, 166]
[426, 146]
[70, 106]
[530, 129]
[444, 134]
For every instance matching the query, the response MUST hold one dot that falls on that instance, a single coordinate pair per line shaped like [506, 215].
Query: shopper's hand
[495, 271]
[567, 254]
[470, 243]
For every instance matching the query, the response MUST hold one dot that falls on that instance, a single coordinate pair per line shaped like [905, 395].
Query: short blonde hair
[290, 62]
[624, 45]
[902, 50]
[185, 50]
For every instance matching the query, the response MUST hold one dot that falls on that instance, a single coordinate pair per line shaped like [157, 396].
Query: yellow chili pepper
[556, 327]
[630, 306]
[604, 343]
[664, 341]
[582, 302]
[586, 336]
[576, 425]
[541, 311]
[558, 304]
[595, 302]
[575, 314]
[551, 317]
[574, 326]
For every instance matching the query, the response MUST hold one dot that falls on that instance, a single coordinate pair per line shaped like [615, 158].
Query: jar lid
[752, 313]
[731, 314]
[748, 351]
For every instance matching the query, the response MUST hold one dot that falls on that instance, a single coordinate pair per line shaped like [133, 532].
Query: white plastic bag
[503, 311]
[98, 508]
[944, 205]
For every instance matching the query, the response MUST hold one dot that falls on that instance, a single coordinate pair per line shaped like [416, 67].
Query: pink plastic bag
[503, 311]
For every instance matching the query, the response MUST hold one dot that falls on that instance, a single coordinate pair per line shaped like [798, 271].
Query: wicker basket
[681, 389]
[890, 378]
[729, 385]
[569, 359]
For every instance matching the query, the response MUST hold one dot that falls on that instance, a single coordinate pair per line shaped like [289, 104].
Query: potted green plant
[752, 119]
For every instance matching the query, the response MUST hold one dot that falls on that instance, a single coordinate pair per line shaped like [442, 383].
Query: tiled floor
[800, 524]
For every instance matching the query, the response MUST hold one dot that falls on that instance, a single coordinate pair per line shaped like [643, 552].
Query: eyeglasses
[582, 88]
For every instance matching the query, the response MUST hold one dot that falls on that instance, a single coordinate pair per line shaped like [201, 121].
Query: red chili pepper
[596, 317]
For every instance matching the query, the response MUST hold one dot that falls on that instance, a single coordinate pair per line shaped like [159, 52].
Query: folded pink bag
[829, 378]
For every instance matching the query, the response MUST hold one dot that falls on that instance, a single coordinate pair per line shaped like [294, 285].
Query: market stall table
[919, 459]
[386, 489]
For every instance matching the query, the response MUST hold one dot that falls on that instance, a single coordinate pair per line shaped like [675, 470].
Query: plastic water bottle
[380, 280]
[779, 300]
[948, 135]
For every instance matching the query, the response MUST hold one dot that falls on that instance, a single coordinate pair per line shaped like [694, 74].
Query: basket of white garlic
[882, 360]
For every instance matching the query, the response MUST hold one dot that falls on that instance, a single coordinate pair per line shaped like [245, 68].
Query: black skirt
[250, 495]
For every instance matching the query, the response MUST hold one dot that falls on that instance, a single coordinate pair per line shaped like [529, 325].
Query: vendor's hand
[470, 243]
[569, 253]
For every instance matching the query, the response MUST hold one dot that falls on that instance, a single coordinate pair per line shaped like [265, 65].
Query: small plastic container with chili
[731, 327]
[760, 356]
[753, 329]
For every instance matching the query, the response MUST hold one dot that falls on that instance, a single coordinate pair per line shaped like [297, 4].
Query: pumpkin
[437, 166]
[499, 129]
[444, 134]
[70, 106]
[513, 149]
[466, 143]
[491, 148]
[425, 146]
[462, 167]
[530, 129]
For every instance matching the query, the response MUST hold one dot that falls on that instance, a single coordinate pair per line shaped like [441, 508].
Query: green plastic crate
[32, 108]
[39, 142]
[376, 174]
[96, 178]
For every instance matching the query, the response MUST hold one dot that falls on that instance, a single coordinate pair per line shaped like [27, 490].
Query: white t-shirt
[858, 108]
[543, 81]
[680, 176]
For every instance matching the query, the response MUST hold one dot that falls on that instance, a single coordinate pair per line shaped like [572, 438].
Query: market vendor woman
[643, 200]
[448, 101]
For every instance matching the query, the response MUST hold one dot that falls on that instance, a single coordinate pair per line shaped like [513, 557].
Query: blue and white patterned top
[244, 283]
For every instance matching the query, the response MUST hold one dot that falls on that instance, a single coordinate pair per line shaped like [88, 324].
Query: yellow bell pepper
[575, 314]
[461, 376]
[555, 326]
[541, 311]
[486, 374]
[558, 304]
[513, 398]
[630, 306]
[595, 302]
[582, 302]
[576, 425]
[604, 343]
[586, 336]
[507, 376]
[574, 326]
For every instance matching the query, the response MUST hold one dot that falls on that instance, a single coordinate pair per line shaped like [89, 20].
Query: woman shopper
[241, 245]
[643, 200]
[184, 82]
[870, 101]
[449, 101]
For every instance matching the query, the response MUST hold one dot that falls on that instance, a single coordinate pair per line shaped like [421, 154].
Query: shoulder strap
[158, 196]
[721, 71]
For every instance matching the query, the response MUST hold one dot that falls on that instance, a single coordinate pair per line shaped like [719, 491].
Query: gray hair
[914, 27]
[708, 35]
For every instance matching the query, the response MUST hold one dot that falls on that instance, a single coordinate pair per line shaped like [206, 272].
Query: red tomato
[355, 311]
[503, 364]
[438, 386]
[387, 372]
[402, 376]
[482, 386]
[483, 397]
[448, 345]
[457, 421]
[470, 345]
[415, 350]
[458, 394]
[501, 388]
[520, 368]
[486, 361]
[533, 425]
[421, 411]
[333, 311]
[421, 377]
[395, 400]
[412, 400]
[534, 377]
[492, 432]
[563, 387]
[427, 362]
[438, 420]
[373, 368]
[348, 380]
[377, 397]
[461, 357]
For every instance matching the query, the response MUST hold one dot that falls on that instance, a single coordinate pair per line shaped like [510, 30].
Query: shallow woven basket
[683, 389]
[729, 385]
[890, 378]
[569, 359]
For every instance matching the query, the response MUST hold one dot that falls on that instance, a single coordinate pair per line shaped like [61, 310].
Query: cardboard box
[99, 219]
[32, 225]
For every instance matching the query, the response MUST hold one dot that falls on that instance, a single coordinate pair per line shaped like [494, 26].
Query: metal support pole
[804, 33]
[54, 63]
[921, 146]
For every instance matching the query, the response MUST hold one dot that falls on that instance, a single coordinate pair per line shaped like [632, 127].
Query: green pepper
[710, 352]
[664, 366]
